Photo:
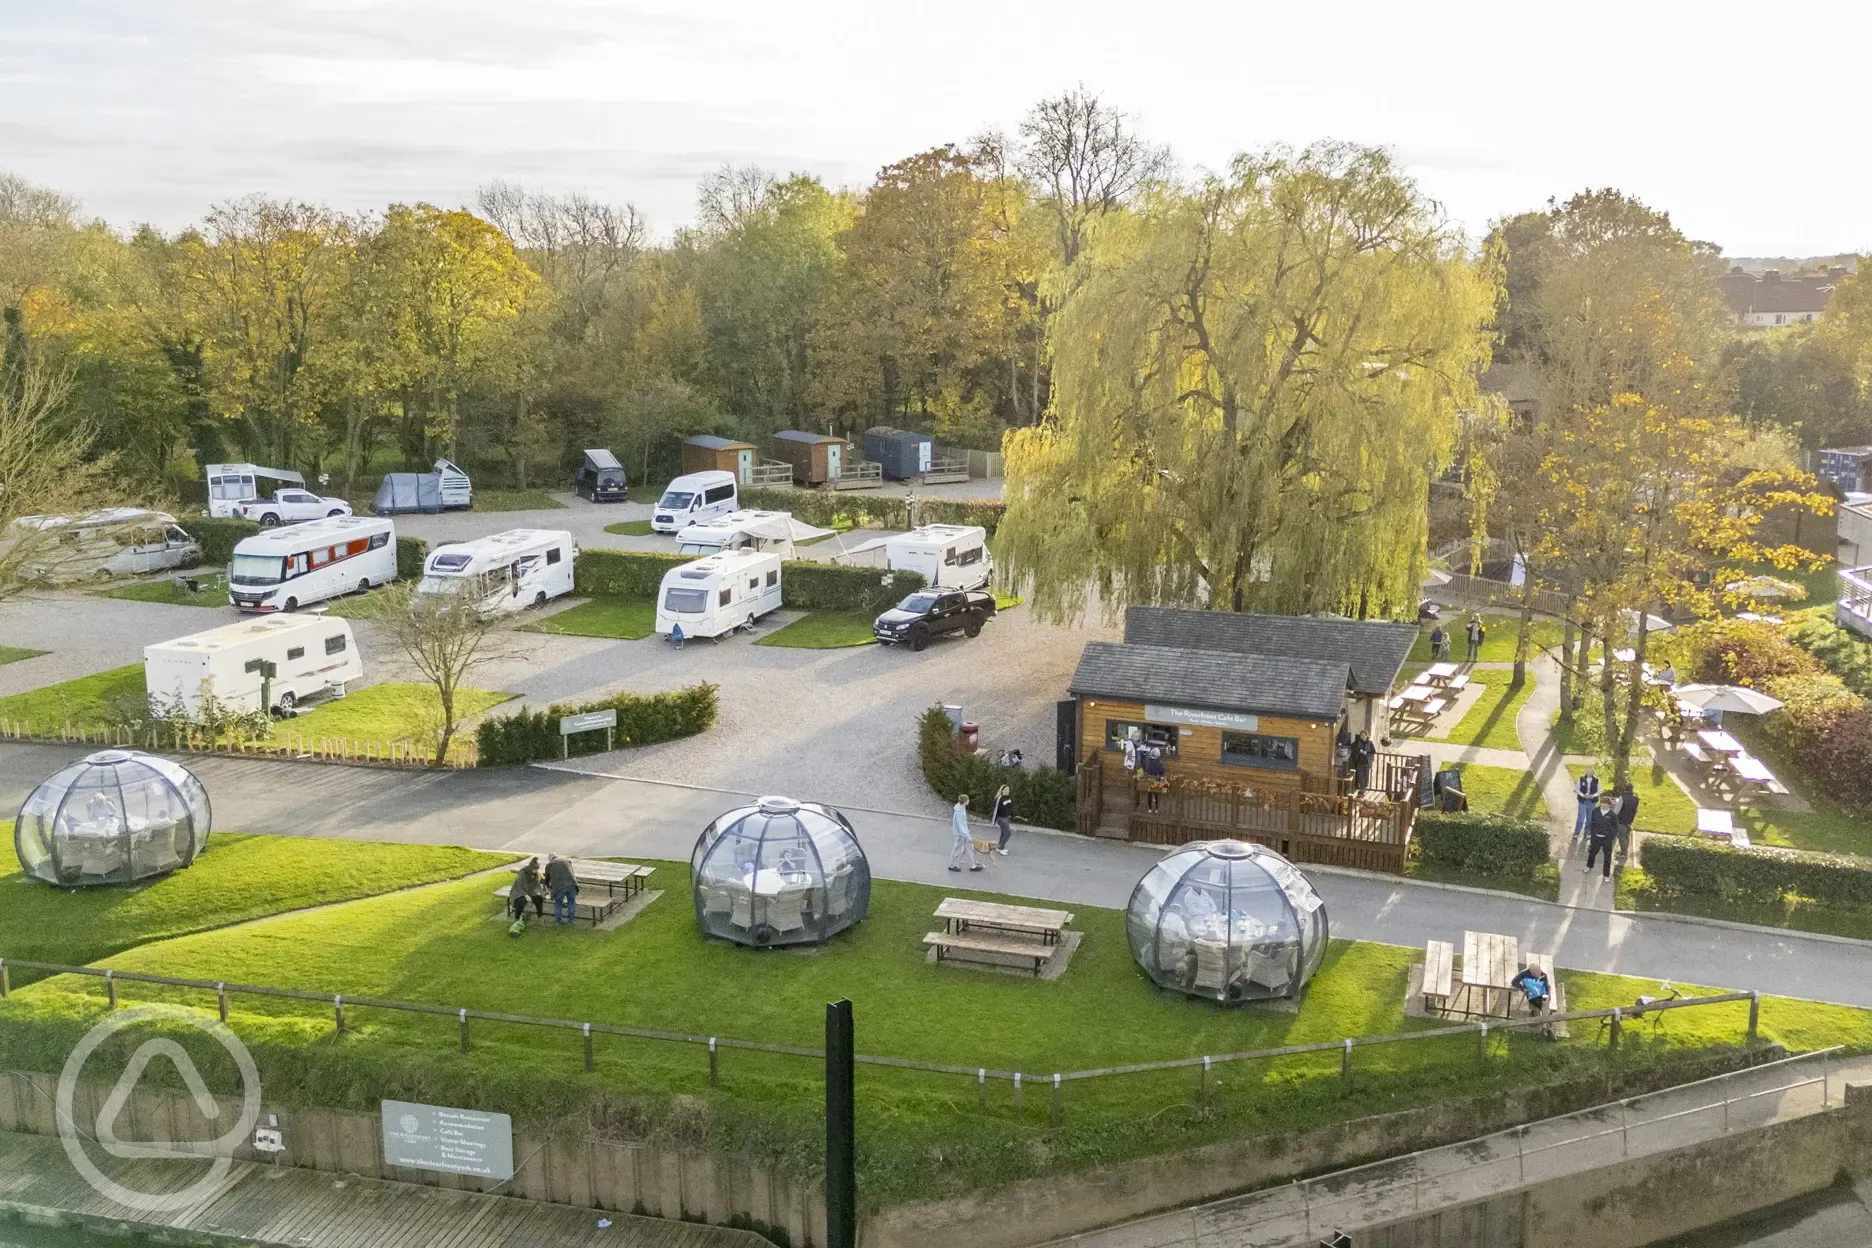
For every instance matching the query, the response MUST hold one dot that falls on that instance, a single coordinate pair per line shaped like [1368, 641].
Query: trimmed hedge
[860, 509]
[643, 719]
[807, 585]
[218, 535]
[622, 574]
[1846, 654]
[1483, 844]
[410, 554]
[1042, 796]
[1683, 867]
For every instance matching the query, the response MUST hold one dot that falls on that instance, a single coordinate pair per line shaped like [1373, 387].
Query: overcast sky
[1745, 122]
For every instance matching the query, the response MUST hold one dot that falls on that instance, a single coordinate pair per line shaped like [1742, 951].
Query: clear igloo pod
[779, 872]
[1227, 920]
[110, 818]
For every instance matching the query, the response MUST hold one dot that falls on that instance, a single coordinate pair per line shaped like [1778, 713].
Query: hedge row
[1484, 844]
[809, 586]
[218, 536]
[1846, 654]
[643, 719]
[1683, 867]
[1042, 797]
[861, 509]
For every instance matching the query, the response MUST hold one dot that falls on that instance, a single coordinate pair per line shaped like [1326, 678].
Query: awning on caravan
[862, 547]
[773, 528]
[405, 492]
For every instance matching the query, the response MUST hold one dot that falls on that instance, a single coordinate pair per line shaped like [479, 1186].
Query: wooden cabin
[817, 458]
[707, 453]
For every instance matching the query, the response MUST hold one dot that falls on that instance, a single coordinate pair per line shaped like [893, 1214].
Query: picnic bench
[1439, 969]
[946, 943]
[615, 877]
[1489, 963]
[593, 907]
[960, 915]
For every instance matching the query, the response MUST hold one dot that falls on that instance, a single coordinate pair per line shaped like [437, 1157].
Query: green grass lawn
[13, 654]
[1491, 721]
[211, 591]
[922, 1133]
[87, 702]
[824, 630]
[627, 619]
[629, 528]
[385, 713]
[1498, 636]
[1005, 601]
[1663, 806]
[1821, 584]
[1827, 828]
[238, 878]
[1503, 791]
[516, 500]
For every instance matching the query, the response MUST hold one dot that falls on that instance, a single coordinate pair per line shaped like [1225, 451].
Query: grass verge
[1827, 827]
[1490, 722]
[391, 712]
[627, 619]
[516, 500]
[823, 630]
[629, 528]
[211, 591]
[1663, 806]
[13, 654]
[94, 701]
[1498, 636]
[1503, 791]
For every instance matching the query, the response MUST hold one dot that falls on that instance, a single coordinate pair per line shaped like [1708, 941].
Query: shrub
[217, 535]
[1042, 796]
[1682, 867]
[1741, 652]
[1826, 729]
[1847, 655]
[622, 574]
[1484, 844]
[643, 719]
[811, 586]
[410, 554]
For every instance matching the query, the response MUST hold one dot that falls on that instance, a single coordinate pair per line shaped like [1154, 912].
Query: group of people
[1605, 816]
[1473, 633]
[963, 849]
[533, 883]
[1141, 758]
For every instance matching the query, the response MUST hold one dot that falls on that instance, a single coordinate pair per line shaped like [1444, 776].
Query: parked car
[292, 506]
[929, 613]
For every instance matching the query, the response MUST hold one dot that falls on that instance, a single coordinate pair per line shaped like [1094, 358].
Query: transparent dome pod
[779, 872]
[110, 818]
[1227, 920]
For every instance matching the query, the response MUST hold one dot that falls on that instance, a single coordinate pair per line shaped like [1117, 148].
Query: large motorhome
[506, 571]
[120, 541]
[776, 532]
[692, 499]
[232, 484]
[309, 656]
[291, 567]
[718, 594]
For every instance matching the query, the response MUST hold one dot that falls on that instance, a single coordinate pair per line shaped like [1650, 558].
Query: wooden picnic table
[1717, 823]
[1720, 742]
[627, 876]
[1438, 673]
[1418, 693]
[959, 915]
[1752, 769]
[1489, 963]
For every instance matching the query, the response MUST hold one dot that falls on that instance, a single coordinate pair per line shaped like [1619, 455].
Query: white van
[773, 531]
[506, 571]
[950, 556]
[692, 498]
[232, 484]
[119, 541]
[311, 656]
[718, 594]
[293, 566]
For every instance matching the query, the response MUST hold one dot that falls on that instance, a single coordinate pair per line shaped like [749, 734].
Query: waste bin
[971, 736]
[955, 717]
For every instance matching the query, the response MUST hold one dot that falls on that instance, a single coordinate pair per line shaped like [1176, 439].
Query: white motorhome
[774, 531]
[693, 498]
[457, 489]
[294, 566]
[309, 656]
[718, 594]
[119, 541]
[232, 484]
[506, 571]
[950, 556]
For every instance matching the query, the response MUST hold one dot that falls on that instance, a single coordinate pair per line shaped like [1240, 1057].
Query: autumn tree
[1253, 380]
[446, 638]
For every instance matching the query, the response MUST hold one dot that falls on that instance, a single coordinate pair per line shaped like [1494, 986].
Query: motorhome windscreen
[440, 585]
[675, 500]
[686, 601]
[254, 570]
[699, 548]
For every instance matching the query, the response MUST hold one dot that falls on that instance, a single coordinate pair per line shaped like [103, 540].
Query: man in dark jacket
[1627, 815]
[1601, 829]
[563, 886]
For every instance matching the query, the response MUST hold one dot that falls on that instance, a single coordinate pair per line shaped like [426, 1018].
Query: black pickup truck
[930, 612]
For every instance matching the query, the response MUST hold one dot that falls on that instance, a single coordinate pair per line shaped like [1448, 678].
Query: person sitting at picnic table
[1668, 676]
[1532, 983]
[563, 886]
[527, 887]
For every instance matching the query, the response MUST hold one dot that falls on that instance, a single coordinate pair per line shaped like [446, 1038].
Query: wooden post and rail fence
[287, 743]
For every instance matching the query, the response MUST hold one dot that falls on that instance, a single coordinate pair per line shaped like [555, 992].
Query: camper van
[120, 541]
[601, 478]
[309, 656]
[718, 594]
[457, 489]
[694, 498]
[505, 572]
[774, 531]
[230, 485]
[287, 568]
[950, 556]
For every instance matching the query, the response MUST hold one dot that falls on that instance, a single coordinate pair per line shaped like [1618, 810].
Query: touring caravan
[718, 594]
[120, 541]
[504, 572]
[229, 485]
[287, 568]
[949, 556]
[601, 478]
[693, 498]
[271, 664]
[774, 531]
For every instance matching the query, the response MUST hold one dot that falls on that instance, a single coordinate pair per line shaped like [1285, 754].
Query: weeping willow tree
[1254, 380]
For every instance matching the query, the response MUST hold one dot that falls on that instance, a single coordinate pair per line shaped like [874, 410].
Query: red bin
[971, 736]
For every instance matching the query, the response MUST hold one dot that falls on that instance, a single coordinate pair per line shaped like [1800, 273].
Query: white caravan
[310, 656]
[296, 565]
[504, 572]
[718, 594]
[229, 485]
[776, 532]
[119, 541]
[949, 556]
[692, 499]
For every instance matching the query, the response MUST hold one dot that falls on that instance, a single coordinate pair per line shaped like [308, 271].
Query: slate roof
[714, 443]
[1301, 688]
[1375, 650]
[801, 435]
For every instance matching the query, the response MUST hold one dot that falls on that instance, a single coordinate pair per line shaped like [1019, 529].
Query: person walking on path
[1003, 817]
[1363, 752]
[1587, 791]
[1600, 834]
[563, 886]
[527, 887]
[1627, 815]
[1475, 638]
[964, 846]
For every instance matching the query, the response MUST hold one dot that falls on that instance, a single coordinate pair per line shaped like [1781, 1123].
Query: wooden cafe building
[1244, 712]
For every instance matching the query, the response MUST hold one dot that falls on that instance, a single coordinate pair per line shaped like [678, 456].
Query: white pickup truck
[292, 506]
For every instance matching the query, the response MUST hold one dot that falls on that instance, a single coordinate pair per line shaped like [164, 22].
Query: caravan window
[773, 578]
[379, 540]
[724, 597]
[719, 494]
[949, 557]
[972, 555]
[686, 601]
[335, 645]
[753, 583]
[297, 652]
[254, 570]
[552, 556]
[321, 556]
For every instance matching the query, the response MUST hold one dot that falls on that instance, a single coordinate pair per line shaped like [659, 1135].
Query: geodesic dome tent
[1227, 920]
[779, 872]
[110, 818]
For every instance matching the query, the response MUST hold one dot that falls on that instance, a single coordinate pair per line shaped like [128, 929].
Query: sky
[1745, 122]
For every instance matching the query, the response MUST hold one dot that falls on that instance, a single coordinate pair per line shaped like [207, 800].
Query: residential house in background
[1775, 298]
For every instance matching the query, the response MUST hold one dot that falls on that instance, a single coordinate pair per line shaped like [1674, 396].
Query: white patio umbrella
[1742, 701]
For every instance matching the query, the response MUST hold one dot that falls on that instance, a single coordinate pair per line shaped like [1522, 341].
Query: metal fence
[1052, 1084]
[290, 745]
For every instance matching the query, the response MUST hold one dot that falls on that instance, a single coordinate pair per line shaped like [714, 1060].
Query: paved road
[548, 809]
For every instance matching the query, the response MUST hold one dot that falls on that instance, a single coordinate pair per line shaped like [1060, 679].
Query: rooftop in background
[1777, 298]
[1300, 688]
[1374, 650]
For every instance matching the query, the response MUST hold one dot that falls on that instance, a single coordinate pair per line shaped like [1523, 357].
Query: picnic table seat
[947, 944]
[1695, 753]
[594, 906]
[1456, 683]
[1438, 974]
[1434, 707]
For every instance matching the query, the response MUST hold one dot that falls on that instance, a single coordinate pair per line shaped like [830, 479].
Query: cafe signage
[1238, 721]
